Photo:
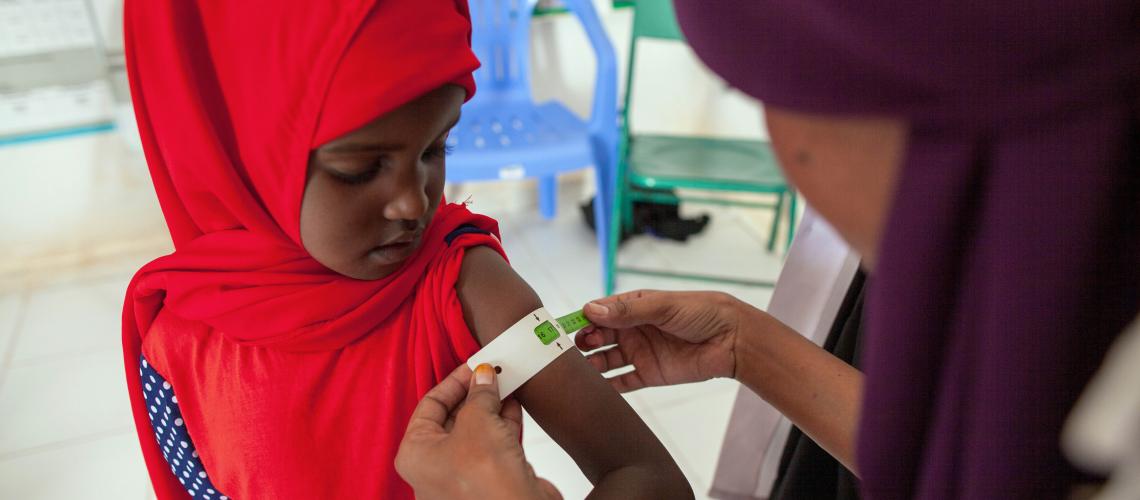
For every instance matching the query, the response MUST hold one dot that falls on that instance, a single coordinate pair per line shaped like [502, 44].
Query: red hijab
[295, 381]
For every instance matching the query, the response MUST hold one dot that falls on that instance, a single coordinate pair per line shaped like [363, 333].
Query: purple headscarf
[1011, 256]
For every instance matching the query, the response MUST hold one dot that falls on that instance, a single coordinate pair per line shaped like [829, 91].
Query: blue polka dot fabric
[170, 431]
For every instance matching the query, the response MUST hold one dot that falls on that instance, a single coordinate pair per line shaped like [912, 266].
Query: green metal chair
[667, 162]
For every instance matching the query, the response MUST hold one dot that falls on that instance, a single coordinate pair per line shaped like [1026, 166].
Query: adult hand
[462, 442]
[668, 337]
[678, 337]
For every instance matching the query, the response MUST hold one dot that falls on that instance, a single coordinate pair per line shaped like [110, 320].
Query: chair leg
[623, 199]
[625, 209]
[777, 214]
[616, 215]
[603, 217]
[791, 218]
[620, 208]
[607, 219]
[548, 196]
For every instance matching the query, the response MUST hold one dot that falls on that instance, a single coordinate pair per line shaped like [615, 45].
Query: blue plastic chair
[504, 134]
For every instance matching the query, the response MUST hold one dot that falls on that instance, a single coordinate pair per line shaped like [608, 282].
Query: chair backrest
[651, 19]
[500, 37]
[656, 19]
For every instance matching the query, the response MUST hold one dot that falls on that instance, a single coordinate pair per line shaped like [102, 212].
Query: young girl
[319, 285]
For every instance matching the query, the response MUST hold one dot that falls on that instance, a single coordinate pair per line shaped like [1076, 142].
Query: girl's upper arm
[569, 398]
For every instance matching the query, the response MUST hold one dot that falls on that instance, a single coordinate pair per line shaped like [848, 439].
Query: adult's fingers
[483, 393]
[612, 359]
[609, 359]
[441, 400]
[594, 338]
[627, 382]
[641, 307]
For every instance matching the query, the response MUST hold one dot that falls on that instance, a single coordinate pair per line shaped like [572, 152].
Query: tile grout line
[652, 420]
[655, 251]
[683, 455]
[18, 325]
[734, 221]
[148, 489]
[737, 214]
[57, 445]
[91, 280]
[533, 255]
[43, 359]
[658, 250]
[79, 272]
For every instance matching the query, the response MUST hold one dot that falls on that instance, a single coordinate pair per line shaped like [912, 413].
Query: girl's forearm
[817, 391]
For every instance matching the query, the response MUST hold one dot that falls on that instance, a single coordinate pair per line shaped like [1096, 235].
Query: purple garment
[1011, 256]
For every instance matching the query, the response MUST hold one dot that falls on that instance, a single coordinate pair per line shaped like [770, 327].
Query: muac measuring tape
[528, 346]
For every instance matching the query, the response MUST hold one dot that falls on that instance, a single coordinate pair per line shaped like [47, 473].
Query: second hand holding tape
[527, 347]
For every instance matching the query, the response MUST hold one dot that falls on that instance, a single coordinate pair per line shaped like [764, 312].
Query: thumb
[484, 392]
[642, 307]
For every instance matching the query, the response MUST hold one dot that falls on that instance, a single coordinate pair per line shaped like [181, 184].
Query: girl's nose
[410, 201]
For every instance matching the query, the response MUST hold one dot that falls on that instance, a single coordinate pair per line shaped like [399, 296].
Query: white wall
[109, 16]
[674, 92]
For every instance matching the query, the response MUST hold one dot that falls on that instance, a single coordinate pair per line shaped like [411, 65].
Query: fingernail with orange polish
[484, 374]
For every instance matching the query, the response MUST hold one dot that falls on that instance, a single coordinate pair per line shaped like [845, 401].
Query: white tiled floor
[105, 466]
[65, 429]
[92, 309]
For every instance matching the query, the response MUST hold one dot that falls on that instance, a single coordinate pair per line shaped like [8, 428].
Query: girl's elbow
[676, 486]
[666, 481]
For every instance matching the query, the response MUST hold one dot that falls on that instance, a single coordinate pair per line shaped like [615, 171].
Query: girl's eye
[438, 151]
[354, 179]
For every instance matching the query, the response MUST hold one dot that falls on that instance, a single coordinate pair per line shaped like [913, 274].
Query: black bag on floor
[662, 220]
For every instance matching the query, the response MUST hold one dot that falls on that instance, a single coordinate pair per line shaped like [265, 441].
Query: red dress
[271, 423]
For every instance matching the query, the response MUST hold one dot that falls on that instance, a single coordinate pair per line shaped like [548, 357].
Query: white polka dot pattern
[170, 432]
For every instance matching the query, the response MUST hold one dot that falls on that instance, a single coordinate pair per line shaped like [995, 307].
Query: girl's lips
[394, 252]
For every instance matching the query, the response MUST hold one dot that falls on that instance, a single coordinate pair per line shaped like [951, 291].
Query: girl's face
[371, 193]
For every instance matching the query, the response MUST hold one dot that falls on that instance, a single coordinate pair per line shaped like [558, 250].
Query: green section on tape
[546, 332]
[573, 322]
